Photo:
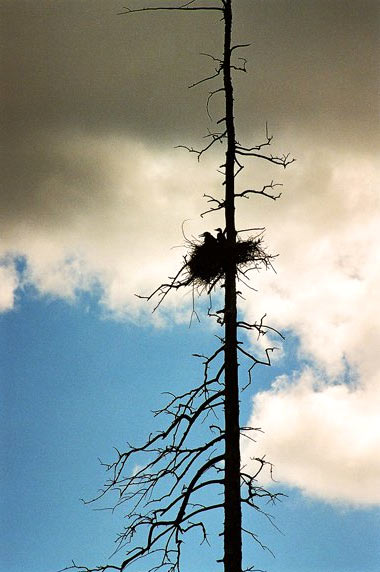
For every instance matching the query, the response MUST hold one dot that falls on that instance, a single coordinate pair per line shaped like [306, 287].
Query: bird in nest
[221, 236]
[209, 240]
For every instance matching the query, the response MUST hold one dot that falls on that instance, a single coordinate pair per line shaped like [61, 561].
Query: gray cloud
[72, 69]
[312, 65]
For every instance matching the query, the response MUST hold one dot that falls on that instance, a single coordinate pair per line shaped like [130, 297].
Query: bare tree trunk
[178, 463]
[232, 514]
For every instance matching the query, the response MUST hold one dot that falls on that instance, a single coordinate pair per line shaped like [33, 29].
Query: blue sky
[74, 385]
[95, 206]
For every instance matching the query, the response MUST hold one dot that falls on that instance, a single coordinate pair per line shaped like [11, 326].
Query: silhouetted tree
[180, 479]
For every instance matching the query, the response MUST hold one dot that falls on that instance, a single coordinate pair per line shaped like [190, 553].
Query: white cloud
[324, 436]
[326, 231]
[106, 212]
[8, 285]
[323, 439]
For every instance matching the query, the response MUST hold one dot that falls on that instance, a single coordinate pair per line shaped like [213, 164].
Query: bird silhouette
[209, 239]
[220, 237]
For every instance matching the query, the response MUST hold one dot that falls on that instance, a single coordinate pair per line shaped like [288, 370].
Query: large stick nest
[206, 261]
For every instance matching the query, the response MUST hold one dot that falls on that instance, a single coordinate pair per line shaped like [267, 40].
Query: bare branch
[260, 327]
[263, 192]
[208, 78]
[184, 8]
[214, 138]
[282, 160]
[211, 199]
[238, 46]
[210, 96]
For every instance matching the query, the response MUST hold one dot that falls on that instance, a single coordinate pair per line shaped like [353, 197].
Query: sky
[95, 199]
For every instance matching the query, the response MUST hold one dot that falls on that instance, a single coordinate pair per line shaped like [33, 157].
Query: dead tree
[165, 495]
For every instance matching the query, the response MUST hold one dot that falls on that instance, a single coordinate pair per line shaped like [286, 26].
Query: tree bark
[232, 524]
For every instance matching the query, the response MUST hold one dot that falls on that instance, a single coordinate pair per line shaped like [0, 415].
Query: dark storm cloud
[315, 66]
[49, 181]
[73, 69]
[67, 63]
[79, 64]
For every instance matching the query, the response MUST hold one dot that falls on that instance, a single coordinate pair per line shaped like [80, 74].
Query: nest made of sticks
[206, 262]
